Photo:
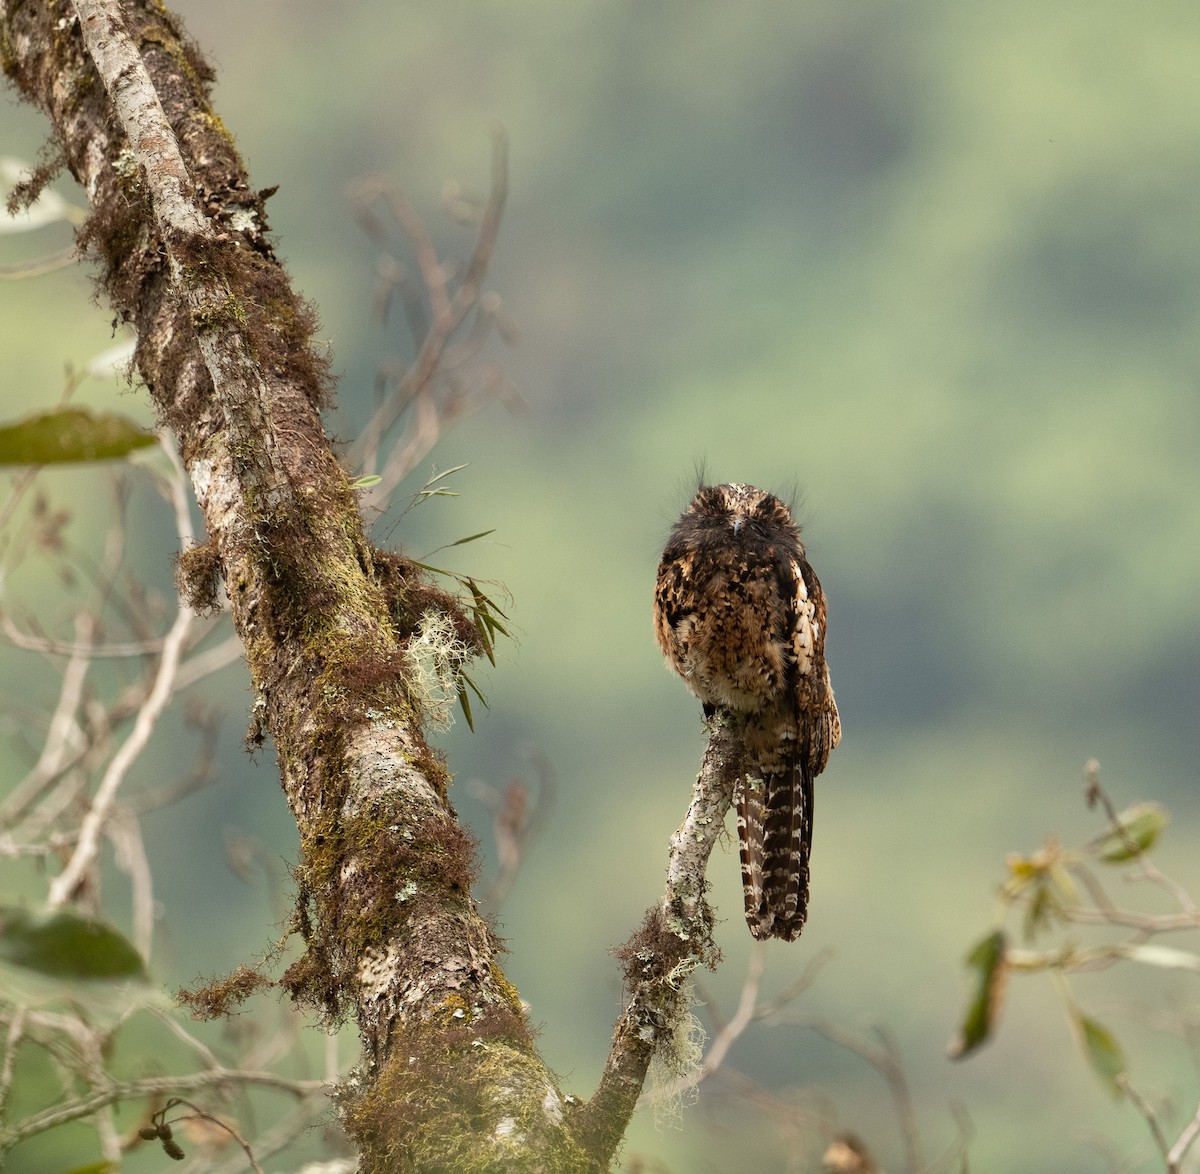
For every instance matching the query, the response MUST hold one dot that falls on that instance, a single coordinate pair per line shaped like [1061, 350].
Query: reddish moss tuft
[219, 996]
[198, 578]
[25, 193]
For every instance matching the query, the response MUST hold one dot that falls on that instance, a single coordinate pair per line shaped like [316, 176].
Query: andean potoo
[740, 616]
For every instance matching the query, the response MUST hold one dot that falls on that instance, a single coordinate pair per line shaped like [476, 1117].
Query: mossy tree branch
[450, 1078]
[673, 941]
[225, 349]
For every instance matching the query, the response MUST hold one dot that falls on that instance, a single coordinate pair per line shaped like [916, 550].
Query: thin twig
[172, 1024]
[1183, 1143]
[885, 1059]
[421, 436]
[453, 312]
[125, 833]
[955, 1155]
[433, 273]
[1149, 1115]
[200, 1115]
[745, 1014]
[282, 1134]
[774, 1006]
[21, 485]
[39, 266]
[52, 647]
[63, 729]
[517, 821]
[1094, 793]
[105, 1125]
[1107, 912]
[12, 1042]
[203, 664]
[90, 831]
[79, 1107]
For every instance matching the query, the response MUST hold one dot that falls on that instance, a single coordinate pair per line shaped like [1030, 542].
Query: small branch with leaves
[1057, 887]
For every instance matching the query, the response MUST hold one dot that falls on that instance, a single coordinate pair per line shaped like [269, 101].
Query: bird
[740, 617]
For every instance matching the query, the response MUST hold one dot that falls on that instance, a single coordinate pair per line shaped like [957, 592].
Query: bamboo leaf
[485, 638]
[431, 488]
[465, 702]
[464, 541]
[475, 689]
[445, 473]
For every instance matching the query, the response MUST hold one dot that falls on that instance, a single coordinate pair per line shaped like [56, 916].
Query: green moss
[361, 881]
[508, 992]
[216, 313]
[216, 124]
[434, 1106]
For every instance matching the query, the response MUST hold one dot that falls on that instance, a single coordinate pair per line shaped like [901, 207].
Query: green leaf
[1139, 829]
[465, 702]
[366, 482]
[446, 473]
[1023, 871]
[988, 959]
[476, 690]
[464, 698]
[431, 488]
[93, 1168]
[485, 602]
[1042, 908]
[464, 541]
[1103, 1053]
[485, 610]
[70, 434]
[62, 944]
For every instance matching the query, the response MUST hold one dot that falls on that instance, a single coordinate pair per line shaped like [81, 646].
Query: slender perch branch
[675, 939]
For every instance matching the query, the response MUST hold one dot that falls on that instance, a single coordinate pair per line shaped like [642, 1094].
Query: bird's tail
[774, 814]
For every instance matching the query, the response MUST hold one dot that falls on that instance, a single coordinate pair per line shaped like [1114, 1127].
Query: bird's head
[740, 507]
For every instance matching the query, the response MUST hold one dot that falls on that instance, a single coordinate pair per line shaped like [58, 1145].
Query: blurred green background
[937, 266]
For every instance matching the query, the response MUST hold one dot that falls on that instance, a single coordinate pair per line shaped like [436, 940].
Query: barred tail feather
[787, 842]
[750, 850]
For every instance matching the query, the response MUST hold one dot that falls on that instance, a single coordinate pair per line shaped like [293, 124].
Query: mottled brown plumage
[740, 616]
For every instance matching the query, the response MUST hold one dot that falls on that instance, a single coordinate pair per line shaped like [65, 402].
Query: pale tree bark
[450, 1078]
